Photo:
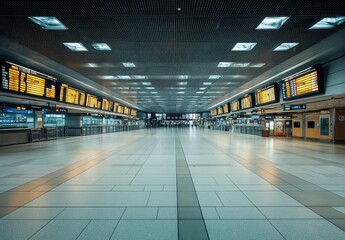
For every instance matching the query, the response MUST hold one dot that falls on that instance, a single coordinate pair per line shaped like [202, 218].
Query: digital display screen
[93, 101]
[126, 110]
[220, 110]
[120, 109]
[247, 102]
[16, 78]
[115, 107]
[134, 112]
[302, 84]
[107, 105]
[266, 95]
[226, 108]
[235, 106]
[213, 112]
[71, 95]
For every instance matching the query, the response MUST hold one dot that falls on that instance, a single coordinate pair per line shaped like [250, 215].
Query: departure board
[235, 106]
[226, 108]
[115, 107]
[247, 101]
[126, 111]
[134, 112]
[18, 79]
[220, 110]
[71, 95]
[213, 112]
[302, 84]
[93, 101]
[107, 105]
[120, 109]
[266, 95]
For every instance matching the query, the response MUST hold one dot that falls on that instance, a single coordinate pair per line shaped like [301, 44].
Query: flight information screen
[266, 95]
[247, 102]
[18, 79]
[303, 84]
[214, 112]
[220, 110]
[71, 95]
[235, 106]
[226, 108]
[127, 110]
[107, 105]
[120, 109]
[134, 112]
[93, 101]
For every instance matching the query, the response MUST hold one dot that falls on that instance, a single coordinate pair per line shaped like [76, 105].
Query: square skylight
[243, 46]
[139, 77]
[149, 87]
[49, 23]
[146, 83]
[257, 65]
[224, 64]
[180, 92]
[107, 77]
[123, 77]
[153, 92]
[182, 83]
[272, 22]
[202, 88]
[214, 76]
[199, 92]
[75, 46]
[238, 64]
[128, 64]
[207, 83]
[181, 88]
[101, 46]
[329, 22]
[285, 46]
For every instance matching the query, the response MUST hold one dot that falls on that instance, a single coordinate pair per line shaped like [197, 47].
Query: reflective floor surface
[173, 183]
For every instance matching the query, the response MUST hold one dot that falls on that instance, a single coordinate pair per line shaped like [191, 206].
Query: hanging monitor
[247, 101]
[235, 106]
[266, 95]
[305, 83]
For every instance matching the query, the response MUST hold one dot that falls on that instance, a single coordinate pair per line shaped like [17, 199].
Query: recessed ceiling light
[75, 46]
[214, 76]
[243, 46]
[92, 65]
[285, 46]
[107, 77]
[238, 64]
[272, 22]
[132, 83]
[181, 88]
[257, 65]
[49, 23]
[153, 92]
[182, 83]
[180, 92]
[207, 83]
[224, 64]
[128, 64]
[149, 87]
[199, 92]
[146, 83]
[183, 77]
[123, 77]
[329, 22]
[139, 77]
[202, 88]
[101, 46]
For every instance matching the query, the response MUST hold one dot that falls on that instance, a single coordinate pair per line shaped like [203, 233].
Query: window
[311, 124]
[297, 124]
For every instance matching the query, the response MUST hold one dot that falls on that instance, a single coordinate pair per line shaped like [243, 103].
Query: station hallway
[172, 183]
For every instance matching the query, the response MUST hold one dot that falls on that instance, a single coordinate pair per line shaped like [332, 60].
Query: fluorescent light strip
[49, 23]
[329, 22]
[101, 46]
[128, 64]
[243, 46]
[224, 64]
[272, 23]
[285, 46]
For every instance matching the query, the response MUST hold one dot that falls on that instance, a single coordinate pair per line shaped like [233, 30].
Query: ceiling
[175, 46]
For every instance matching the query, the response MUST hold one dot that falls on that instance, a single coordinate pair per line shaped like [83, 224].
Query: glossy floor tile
[173, 184]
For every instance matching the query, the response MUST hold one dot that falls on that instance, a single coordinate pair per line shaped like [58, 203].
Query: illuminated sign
[18, 79]
[70, 95]
[266, 95]
[134, 112]
[235, 106]
[226, 108]
[247, 101]
[107, 105]
[93, 101]
[220, 110]
[126, 110]
[120, 109]
[302, 84]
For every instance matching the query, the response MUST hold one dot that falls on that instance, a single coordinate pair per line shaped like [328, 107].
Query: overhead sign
[299, 107]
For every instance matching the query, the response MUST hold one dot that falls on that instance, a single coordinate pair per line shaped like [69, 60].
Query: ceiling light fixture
[214, 76]
[128, 64]
[272, 22]
[75, 46]
[49, 23]
[224, 64]
[329, 22]
[243, 46]
[101, 46]
[285, 46]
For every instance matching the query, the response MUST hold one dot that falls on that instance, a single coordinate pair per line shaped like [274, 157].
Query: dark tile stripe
[191, 224]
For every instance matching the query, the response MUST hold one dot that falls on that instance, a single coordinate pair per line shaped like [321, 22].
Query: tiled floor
[173, 184]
